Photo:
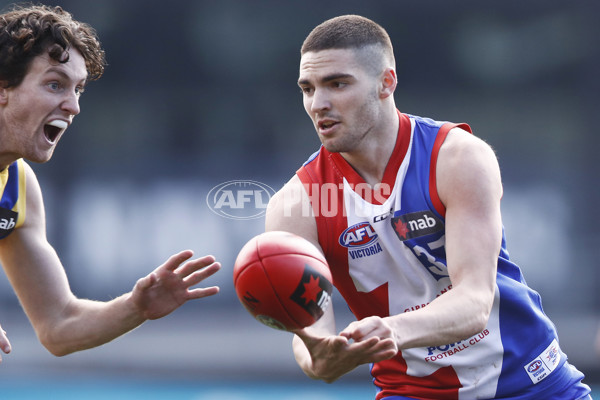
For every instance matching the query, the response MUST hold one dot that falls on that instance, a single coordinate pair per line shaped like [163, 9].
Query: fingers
[310, 337]
[373, 350]
[177, 259]
[373, 338]
[4, 342]
[199, 293]
[367, 328]
[197, 276]
[147, 281]
[383, 354]
[358, 330]
[194, 265]
[177, 264]
[193, 276]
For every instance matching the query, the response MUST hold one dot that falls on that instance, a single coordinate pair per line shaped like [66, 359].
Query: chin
[40, 158]
[333, 147]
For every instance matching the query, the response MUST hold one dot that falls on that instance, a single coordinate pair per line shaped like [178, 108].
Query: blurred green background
[201, 92]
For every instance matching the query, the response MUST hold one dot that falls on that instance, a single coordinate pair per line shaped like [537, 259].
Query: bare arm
[319, 351]
[64, 323]
[468, 180]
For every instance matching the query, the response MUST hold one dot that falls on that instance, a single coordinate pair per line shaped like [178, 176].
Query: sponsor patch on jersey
[540, 367]
[8, 221]
[416, 224]
[358, 236]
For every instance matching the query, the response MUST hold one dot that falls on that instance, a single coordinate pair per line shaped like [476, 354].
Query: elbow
[470, 327]
[479, 323]
[56, 347]
[58, 352]
[479, 318]
[59, 335]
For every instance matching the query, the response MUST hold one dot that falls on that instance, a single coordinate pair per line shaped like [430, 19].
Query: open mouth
[53, 128]
[326, 124]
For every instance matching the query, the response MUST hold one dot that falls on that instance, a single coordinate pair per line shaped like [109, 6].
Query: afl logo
[358, 235]
[240, 199]
[534, 366]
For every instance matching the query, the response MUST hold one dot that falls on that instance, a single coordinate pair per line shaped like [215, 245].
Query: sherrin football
[283, 280]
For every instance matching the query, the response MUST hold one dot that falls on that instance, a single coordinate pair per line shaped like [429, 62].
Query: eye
[338, 84]
[54, 86]
[306, 89]
[79, 90]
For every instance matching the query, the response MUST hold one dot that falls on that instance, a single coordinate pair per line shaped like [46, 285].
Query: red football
[283, 280]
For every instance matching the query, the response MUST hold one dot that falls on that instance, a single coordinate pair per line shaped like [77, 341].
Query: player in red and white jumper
[407, 212]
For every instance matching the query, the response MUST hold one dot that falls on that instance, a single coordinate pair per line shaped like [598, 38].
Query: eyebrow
[64, 75]
[326, 79]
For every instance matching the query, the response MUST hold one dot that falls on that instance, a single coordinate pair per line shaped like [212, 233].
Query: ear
[389, 82]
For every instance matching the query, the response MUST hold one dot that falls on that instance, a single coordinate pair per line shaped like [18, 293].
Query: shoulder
[290, 210]
[31, 212]
[33, 186]
[461, 148]
[34, 199]
[286, 205]
[467, 166]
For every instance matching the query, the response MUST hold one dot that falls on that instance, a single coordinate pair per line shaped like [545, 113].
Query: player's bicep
[31, 263]
[469, 185]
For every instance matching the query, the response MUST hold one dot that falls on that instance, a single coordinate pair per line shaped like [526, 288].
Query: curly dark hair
[29, 31]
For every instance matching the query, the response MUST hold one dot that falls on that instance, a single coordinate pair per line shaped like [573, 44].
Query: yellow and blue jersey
[12, 197]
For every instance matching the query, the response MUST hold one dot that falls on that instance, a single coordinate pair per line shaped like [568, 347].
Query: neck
[375, 151]
[6, 159]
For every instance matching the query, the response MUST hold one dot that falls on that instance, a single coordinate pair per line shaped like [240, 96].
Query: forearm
[85, 324]
[456, 315]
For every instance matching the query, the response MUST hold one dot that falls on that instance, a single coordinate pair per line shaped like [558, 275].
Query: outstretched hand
[170, 285]
[335, 355]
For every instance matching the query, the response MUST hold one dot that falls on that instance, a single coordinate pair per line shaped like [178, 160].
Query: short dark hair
[27, 32]
[348, 32]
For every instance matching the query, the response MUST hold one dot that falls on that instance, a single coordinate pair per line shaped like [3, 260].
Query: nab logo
[358, 235]
[8, 221]
[7, 224]
[240, 199]
[417, 224]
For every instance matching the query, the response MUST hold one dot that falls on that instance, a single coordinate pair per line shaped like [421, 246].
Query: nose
[70, 104]
[320, 101]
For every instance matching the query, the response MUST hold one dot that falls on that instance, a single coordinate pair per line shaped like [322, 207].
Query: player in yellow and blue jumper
[46, 59]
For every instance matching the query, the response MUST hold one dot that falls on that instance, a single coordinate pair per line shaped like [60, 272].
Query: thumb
[146, 282]
[305, 335]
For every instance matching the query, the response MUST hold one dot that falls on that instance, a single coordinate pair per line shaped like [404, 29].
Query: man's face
[35, 114]
[340, 97]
